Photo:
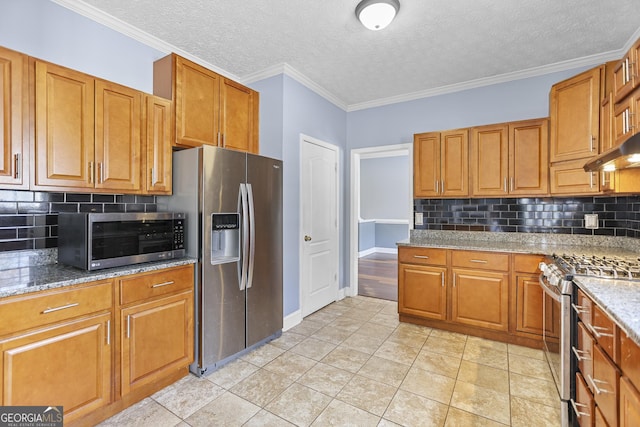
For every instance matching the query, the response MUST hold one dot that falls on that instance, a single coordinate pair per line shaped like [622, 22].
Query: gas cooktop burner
[627, 268]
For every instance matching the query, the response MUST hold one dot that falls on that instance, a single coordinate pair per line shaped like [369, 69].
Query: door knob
[307, 238]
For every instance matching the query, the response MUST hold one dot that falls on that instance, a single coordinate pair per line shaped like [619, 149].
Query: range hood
[625, 155]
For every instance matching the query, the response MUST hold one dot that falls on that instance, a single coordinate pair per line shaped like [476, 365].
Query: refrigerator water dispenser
[225, 238]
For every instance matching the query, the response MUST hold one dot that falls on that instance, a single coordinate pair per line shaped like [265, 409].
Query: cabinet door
[607, 141]
[570, 178]
[454, 161]
[197, 103]
[584, 405]
[623, 120]
[118, 140]
[574, 114]
[489, 160]
[606, 377]
[422, 291]
[64, 119]
[529, 157]
[156, 339]
[158, 145]
[626, 73]
[480, 298]
[68, 365]
[629, 404]
[426, 164]
[528, 299]
[14, 115]
[239, 117]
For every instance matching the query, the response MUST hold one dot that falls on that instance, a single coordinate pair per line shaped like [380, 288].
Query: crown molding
[592, 60]
[91, 12]
[296, 75]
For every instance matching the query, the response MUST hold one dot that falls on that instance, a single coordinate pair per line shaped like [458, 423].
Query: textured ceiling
[431, 44]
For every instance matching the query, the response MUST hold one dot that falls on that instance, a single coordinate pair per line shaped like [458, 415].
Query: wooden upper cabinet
[529, 157]
[574, 113]
[63, 153]
[209, 109]
[14, 113]
[426, 164]
[627, 73]
[490, 160]
[510, 159]
[454, 170]
[158, 137]
[570, 178]
[239, 118]
[118, 141]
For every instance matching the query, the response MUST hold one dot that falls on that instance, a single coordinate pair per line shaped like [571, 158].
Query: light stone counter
[620, 299]
[30, 271]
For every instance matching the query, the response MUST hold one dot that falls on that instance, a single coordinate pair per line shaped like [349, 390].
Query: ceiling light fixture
[377, 14]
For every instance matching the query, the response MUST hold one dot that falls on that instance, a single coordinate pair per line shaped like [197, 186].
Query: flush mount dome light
[377, 14]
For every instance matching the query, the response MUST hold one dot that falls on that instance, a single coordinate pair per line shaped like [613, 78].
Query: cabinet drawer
[605, 385]
[480, 260]
[584, 351]
[143, 286]
[584, 308]
[431, 256]
[630, 359]
[605, 332]
[583, 406]
[527, 263]
[43, 308]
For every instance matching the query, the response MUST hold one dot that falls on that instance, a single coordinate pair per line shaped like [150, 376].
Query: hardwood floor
[378, 276]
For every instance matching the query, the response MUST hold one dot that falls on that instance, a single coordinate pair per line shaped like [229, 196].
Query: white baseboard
[378, 250]
[291, 320]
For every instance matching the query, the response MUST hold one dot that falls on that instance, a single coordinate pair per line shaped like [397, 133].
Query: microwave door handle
[252, 235]
[244, 213]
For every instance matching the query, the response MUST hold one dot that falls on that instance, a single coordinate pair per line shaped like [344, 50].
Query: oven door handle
[547, 290]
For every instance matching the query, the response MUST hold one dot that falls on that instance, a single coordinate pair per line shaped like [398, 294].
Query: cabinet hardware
[577, 411]
[442, 187]
[579, 308]
[16, 171]
[108, 332]
[591, 179]
[599, 331]
[454, 280]
[479, 261]
[437, 187]
[90, 172]
[421, 256]
[128, 326]
[153, 176]
[218, 142]
[505, 185]
[512, 182]
[101, 167]
[442, 276]
[51, 310]
[591, 141]
[157, 285]
[222, 138]
[597, 389]
[580, 354]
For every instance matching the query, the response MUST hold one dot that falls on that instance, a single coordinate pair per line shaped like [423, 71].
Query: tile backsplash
[29, 220]
[617, 215]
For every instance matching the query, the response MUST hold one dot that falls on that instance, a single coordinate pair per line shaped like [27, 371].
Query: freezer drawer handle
[51, 310]
[158, 285]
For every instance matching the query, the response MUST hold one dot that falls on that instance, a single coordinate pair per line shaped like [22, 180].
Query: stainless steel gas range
[560, 317]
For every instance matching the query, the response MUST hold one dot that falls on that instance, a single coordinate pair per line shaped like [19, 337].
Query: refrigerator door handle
[252, 236]
[245, 236]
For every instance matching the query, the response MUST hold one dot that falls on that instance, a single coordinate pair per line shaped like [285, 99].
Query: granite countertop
[31, 278]
[620, 299]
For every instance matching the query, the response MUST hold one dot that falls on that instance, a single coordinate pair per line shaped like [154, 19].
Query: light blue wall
[387, 235]
[384, 188]
[271, 115]
[53, 33]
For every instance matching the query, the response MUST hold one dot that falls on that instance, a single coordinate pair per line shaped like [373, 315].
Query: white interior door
[319, 224]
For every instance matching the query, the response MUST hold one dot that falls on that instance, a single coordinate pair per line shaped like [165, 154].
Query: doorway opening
[381, 211]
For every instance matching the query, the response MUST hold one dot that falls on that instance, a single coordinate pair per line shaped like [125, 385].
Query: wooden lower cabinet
[480, 298]
[156, 339]
[583, 404]
[422, 291]
[629, 404]
[470, 292]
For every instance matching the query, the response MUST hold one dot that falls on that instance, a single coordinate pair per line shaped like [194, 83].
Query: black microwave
[93, 241]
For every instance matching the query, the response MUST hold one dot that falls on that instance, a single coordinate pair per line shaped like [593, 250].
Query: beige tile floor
[353, 364]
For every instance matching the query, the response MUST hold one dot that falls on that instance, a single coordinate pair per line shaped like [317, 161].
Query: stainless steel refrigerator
[233, 203]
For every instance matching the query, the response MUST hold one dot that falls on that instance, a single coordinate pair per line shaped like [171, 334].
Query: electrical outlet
[591, 221]
[419, 220]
